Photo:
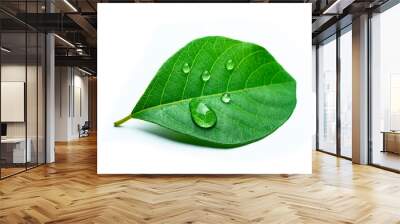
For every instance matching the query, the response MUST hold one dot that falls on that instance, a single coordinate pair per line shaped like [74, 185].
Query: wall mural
[210, 94]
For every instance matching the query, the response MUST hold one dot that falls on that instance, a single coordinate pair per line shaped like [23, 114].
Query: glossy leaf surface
[262, 95]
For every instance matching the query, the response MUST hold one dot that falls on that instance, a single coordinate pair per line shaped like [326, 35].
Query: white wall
[80, 109]
[71, 102]
[62, 82]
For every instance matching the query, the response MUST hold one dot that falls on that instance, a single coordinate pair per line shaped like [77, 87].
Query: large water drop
[202, 115]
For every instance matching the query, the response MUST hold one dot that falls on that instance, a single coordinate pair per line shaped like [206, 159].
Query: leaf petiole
[123, 120]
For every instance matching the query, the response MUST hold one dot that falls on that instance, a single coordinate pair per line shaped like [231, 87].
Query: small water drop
[186, 68]
[205, 76]
[230, 65]
[202, 115]
[226, 98]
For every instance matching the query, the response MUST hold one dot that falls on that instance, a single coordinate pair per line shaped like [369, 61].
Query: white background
[134, 40]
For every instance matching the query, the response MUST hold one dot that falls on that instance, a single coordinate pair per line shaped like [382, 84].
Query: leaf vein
[255, 70]
[172, 70]
[204, 83]
[219, 56]
[236, 120]
[240, 62]
[206, 96]
[193, 62]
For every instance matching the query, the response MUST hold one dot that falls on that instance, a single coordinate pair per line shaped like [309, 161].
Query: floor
[5, 172]
[70, 191]
[10, 171]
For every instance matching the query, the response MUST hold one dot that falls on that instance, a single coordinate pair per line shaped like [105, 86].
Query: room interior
[48, 151]
[22, 102]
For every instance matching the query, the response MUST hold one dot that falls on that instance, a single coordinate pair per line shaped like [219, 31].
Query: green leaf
[247, 89]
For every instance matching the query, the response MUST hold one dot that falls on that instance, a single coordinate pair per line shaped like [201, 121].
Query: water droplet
[226, 98]
[202, 115]
[186, 68]
[206, 76]
[230, 65]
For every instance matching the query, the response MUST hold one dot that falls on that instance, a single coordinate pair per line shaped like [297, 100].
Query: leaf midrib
[205, 96]
[201, 95]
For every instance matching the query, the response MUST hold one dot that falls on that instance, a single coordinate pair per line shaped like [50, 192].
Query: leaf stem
[123, 120]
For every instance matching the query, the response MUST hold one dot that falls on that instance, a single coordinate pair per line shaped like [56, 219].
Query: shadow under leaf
[178, 137]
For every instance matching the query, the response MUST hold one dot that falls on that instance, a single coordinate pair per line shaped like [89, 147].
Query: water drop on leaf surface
[226, 98]
[186, 68]
[205, 76]
[202, 115]
[230, 65]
